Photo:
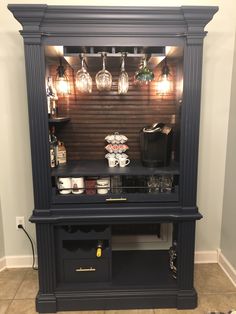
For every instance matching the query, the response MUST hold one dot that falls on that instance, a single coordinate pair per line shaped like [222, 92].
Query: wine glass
[83, 79]
[103, 78]
[123, 81]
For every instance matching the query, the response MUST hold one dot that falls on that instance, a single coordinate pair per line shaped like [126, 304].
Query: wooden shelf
[100, 168]
[58, 120]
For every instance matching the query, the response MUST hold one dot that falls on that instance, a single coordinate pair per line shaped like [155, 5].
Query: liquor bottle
[52, 153]
[99, 249]
[51, 98]
[54, 142]
[61, 153]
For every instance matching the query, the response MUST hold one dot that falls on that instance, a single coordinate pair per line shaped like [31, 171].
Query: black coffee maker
[155, 144]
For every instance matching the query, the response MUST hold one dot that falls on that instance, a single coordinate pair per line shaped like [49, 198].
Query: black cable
[32, 246]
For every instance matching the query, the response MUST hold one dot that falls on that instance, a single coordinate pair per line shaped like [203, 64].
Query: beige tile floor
[18, 288]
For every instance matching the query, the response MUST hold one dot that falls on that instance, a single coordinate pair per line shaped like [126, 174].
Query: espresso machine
[156, 145]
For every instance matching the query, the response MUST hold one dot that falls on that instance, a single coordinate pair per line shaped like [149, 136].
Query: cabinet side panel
[35, 70]
[46, 261]
[190, 123]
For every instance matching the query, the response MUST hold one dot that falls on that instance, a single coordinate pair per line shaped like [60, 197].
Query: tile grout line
[8, 307]
[217, 293]
[20, 285]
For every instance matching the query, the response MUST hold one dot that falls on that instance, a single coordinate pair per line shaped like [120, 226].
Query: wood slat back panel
[96, 115]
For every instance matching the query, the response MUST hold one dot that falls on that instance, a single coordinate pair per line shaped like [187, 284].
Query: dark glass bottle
[51, 98]
[54, 143]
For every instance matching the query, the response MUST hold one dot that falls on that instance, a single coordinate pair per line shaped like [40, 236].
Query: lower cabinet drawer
[86, 270]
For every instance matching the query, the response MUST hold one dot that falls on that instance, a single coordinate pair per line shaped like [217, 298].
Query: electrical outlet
[20, 221]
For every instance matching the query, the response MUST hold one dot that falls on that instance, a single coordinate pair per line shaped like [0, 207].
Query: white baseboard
[25, 261]
[2, 263]
[206, 257]
[227, 268]
[19, 261]
[214, 256]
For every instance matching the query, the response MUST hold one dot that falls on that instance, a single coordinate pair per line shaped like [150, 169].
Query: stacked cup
[116, 148]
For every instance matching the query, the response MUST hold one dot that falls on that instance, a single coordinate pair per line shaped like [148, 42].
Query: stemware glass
[103, 78]
[83, 79]
[123, 81]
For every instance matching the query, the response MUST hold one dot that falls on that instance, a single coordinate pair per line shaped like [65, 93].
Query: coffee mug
[103, 185]
[112, 162]
[64, 185]
[77, 185]
[123, 162]
[123, 155]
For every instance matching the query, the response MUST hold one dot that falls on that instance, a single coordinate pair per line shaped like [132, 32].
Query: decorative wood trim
[46, 258]
[2, 263]
[35, 68]
[227, 267]
[206, 257]
[54, 20]
[185, 253]
[190, 117]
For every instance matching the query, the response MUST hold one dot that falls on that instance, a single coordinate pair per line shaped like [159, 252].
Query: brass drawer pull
[121, 199]
[85, 269]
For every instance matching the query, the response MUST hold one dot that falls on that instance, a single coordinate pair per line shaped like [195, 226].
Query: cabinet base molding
[46, 303]
[117, 300]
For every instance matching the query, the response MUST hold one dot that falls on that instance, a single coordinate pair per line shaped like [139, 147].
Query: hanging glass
[144, 75]
[103, 78]
[123, 81]
[83, 79]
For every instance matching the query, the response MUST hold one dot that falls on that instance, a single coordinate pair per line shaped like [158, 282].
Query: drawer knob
[85, 269]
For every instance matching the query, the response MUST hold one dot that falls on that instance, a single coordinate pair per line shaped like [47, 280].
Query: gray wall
[2, 249]
[228, 230]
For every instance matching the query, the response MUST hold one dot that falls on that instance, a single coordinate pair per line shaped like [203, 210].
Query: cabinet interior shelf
[100, 168]
[58, 120]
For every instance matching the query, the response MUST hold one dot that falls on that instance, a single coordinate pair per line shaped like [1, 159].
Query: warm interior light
[62, 82]
[164, 84]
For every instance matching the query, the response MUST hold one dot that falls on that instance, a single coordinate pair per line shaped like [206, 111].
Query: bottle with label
[99, 249]
[51, 98]
[54, 142]
[61, 153]
[52, 153]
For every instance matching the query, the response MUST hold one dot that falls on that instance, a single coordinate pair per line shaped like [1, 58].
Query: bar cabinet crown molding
[69, 228]
[58, 21]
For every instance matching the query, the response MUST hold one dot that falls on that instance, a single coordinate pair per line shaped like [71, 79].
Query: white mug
[123, 155]
[112, 162]
[64, 185]
[123, 162]
[103, 185]
[77, 185]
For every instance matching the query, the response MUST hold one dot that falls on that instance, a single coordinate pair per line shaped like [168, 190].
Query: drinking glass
[103, 78]
[83, 79]
[153, 184]
[123, 80]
